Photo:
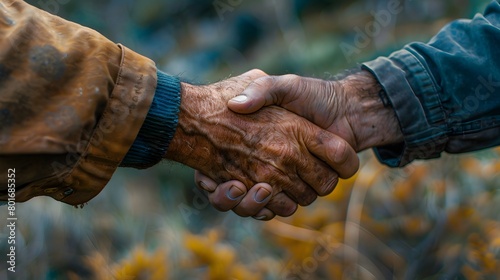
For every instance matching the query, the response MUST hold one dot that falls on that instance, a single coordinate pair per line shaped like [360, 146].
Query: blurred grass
[432, 220]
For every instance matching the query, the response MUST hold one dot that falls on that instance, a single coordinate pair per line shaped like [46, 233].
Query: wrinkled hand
[296, 159]
[350, 108]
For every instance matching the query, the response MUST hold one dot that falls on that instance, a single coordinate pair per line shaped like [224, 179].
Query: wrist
[373, 121]
[181, 147]
[159, 125]
[203, 130]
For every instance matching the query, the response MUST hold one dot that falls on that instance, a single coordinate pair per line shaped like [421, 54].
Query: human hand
[350, 108]
[297, 159]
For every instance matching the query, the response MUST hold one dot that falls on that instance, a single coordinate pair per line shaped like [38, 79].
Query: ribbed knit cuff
[159, 126]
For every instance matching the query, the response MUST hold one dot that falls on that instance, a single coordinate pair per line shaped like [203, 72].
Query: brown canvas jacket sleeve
[71, 104]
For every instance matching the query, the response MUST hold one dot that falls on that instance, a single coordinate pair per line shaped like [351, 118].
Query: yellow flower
[219, 258]
[415, 225]
[459, 219]
[203, 247]
[479, 254]
[99, 264]
[142, 265]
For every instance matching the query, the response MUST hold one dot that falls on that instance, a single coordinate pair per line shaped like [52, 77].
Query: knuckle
[329, 186]
[286, 151]
[307, 199]
[257, 72]
[289, 82]
[265, 81]
[219, 202]
[281, 156]
[282, 205]
[341, 154]
[289, 210]
[327, 86]
[269, 171]
[300, 192]
[291, 78]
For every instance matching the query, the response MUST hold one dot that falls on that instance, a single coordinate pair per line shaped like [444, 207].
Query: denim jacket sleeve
[446, 93]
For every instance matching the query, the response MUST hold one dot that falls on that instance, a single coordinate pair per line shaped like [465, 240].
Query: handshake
[262, 145]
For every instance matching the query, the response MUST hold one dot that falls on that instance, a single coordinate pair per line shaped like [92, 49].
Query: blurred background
[437, 219]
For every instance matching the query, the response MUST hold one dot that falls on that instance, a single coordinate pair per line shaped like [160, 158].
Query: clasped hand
[288, 158]
[276, 159]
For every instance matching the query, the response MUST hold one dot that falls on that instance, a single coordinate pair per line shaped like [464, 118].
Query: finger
[264, 215]
[335, 151]
[204, 182]
[300, 191]
[257, 95]
[282, 205]
[266, 91]
[321, 177]
[227, 195]
[255, 200]
[292, 185]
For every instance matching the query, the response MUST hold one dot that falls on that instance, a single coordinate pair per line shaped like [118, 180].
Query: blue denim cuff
[159, 126]
[414, 96]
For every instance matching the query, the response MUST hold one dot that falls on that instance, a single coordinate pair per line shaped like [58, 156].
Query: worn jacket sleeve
[71, 104]
[446, 93]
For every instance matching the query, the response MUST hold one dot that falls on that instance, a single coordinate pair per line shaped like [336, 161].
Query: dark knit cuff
[159, 126]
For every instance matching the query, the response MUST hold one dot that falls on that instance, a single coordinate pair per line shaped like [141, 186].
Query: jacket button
[68, 192]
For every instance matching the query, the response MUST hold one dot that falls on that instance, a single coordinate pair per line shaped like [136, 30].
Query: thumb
[258, 94]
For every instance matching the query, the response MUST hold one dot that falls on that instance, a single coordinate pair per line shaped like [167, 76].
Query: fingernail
[261, 195]
[234, 193]
[260, 218]
[240, 98]
[205, 187]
